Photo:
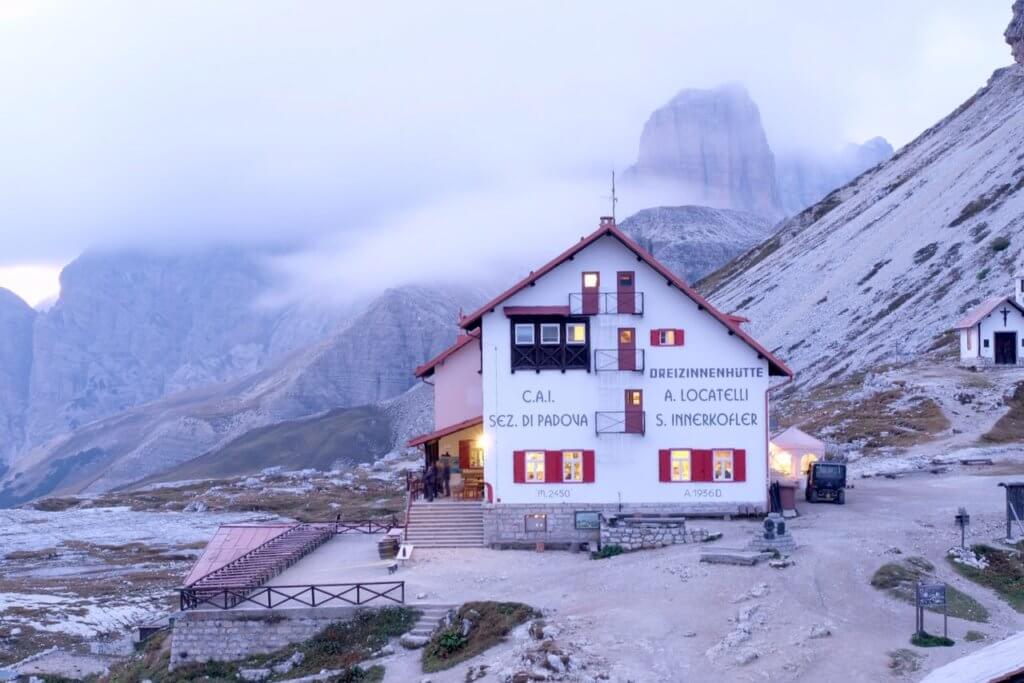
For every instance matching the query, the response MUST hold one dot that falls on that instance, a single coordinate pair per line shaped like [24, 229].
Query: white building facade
[992, 333]
[609, 386]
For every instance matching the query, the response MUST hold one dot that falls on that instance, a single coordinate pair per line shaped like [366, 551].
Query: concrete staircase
[429, 619]
[445, 523]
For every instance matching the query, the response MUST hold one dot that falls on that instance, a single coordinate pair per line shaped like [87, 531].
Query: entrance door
[1006, 348]
[591, 287]
[627, 348]
[625, 292]
[634, 411]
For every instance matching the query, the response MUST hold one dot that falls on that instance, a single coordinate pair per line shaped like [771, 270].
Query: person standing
[446, 476]
[430, 482]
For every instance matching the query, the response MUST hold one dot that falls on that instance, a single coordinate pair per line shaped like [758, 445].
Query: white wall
[969, 353]
[993, 323]
[457, 387]
[626, 464]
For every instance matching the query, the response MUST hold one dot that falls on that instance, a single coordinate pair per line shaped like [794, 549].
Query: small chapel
[992, 333]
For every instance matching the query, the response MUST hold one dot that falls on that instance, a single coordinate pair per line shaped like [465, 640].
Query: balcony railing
[613, 360]
[606, 303]
[553, 357]
[620, 422]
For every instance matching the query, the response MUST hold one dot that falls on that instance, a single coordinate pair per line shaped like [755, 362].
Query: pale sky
[172, 124]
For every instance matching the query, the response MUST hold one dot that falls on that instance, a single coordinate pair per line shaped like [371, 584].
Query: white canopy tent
[791, 452]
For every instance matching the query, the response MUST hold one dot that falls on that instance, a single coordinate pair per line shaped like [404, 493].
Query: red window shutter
[679, 338]
[588, 467]
[553, 467]
[519, 467]
[464, 454]
[701, 466]
[664, 465]
[655, 338]
[739, 465]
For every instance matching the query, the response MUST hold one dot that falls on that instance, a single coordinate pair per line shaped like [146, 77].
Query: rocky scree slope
[880, 270]
[16, 318]
[696, 240]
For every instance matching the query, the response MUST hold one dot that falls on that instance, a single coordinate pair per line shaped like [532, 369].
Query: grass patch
[898, 579]
[492, 622]
[974, 636]
[1010, 427]
[1004, 574]
[925, 639]
[607, 551]
[41, 554]
[999, 244]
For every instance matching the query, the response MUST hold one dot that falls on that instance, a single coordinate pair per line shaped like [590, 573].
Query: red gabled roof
[427, 368]
[984, 308]
[609, 229]
[445, 431]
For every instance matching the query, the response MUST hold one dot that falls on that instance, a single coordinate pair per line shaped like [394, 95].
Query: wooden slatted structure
[257, 566]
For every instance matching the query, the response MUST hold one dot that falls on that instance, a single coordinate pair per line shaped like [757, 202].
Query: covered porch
[460, 447]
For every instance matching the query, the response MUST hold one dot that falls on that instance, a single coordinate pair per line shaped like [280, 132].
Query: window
[667, 337]
[680, 466]
[590, 280]
[524, 335]
[476, 458]
[986, 343]
[625, 279]
[550, 333]
[626, 335]
[635, 397]
[534, 466]
[572, 466]
[575, 333]
[722, 465]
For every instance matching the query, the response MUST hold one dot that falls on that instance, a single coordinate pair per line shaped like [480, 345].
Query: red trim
[427, 368]
[608, 228]
[445, 431]
[700, 465]
[464, 447]
[739, 464]
[665, 465]
[738, 319]
[536, 310]
[553, 467]
[655, 338]
[519, 467]
[588, 467]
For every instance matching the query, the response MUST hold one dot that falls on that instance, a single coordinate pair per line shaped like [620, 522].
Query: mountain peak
[1014, 33]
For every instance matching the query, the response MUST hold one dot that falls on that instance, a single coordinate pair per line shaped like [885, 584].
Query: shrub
[983, 273]
[999, 244]
[607, 551]
[492, 622]
[925, 639]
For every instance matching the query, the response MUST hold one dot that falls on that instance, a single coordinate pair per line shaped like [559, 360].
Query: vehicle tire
[807, 494]
[812, 496]
[841, 497]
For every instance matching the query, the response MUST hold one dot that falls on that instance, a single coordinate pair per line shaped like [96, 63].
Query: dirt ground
[663, 616]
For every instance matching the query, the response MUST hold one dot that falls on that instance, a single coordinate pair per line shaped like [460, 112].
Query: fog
[396, 142]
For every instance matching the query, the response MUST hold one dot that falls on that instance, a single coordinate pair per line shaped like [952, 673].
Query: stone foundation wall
[505, 523]
[226, 635]
[643, 535]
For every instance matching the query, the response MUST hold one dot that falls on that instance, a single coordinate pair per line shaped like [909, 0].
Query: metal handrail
[614, 422]
[607, 303]
[313, 595]
[607, 360]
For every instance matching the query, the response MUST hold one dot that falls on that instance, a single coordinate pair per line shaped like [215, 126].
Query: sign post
[931, 595]
[963, 519]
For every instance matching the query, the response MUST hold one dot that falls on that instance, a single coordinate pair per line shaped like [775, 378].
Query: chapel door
[1006, 348]
[634, 419]
[627, 348]
[591, 287]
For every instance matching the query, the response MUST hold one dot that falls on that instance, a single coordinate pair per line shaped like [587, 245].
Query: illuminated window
[625, 336]
[550, 333]
[636, 398]
[575, 333]
[667, 337]
[590, 280]
[806, 461]
[722, 465]
[476, 458]
[524, 335]
[572, 466]
[534, 466]
[680, 463]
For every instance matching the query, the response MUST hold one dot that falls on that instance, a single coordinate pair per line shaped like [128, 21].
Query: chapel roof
[977, 313]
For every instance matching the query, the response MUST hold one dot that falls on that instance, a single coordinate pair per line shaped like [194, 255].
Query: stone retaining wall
[226, 635]
[505, 523]
[634, 535]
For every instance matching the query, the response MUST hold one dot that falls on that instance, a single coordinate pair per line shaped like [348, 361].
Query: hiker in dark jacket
[430, 482]
[446, 476]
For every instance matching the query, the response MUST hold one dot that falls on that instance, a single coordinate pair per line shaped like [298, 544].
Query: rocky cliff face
[880, 270]
[366, 360]
[16, 318]
[696, 240]
[803, 179]
[710, 147]
[1015, 32]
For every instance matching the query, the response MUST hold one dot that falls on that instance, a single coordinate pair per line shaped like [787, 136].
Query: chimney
[607, 221]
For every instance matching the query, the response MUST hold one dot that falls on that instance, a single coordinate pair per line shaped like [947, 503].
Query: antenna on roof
[615, 200]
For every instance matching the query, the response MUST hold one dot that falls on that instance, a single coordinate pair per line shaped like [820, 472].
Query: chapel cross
[1005, 313]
